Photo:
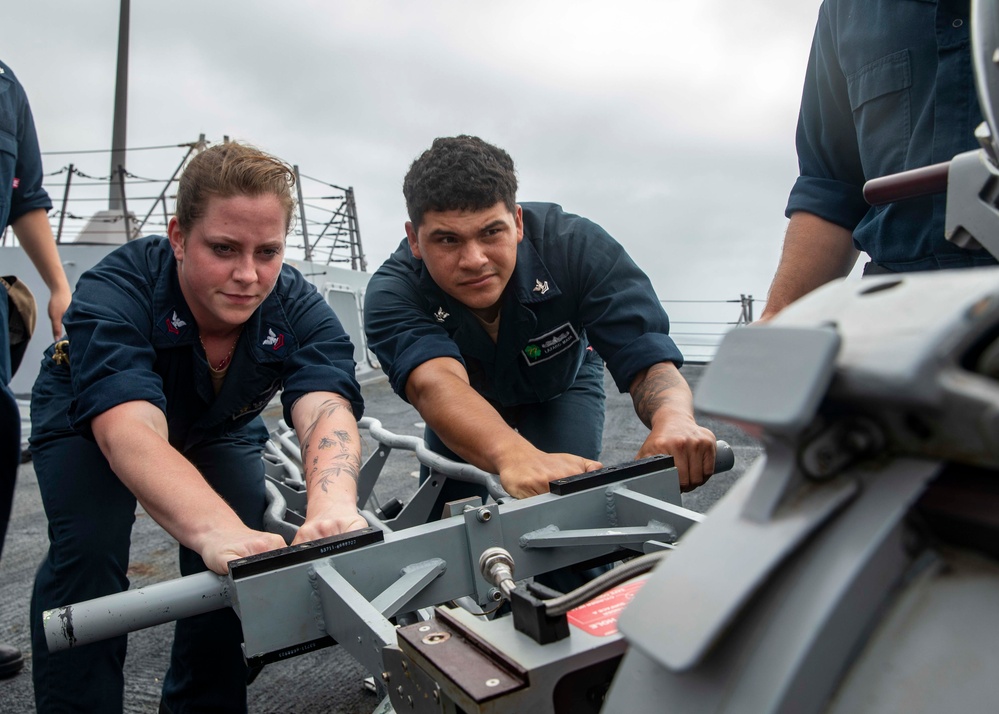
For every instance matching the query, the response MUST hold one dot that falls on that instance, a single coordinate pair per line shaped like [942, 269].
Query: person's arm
[473, 429]
[133, 438]
[331, 457]
[815, 251]
[664, 403]
[35, 235]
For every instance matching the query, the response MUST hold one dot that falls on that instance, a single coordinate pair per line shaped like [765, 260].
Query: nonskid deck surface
[323, 681]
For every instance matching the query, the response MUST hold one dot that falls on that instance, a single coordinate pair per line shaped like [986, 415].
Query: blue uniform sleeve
[19, 141]
[324, 360]
[831, 175]
[109, 324]
[400, 332]
[622, 316]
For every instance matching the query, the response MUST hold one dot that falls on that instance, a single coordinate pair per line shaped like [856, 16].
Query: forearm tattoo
[652, 393]
[335, 455]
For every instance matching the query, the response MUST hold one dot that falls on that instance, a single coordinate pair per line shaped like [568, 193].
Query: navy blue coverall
[133, 337]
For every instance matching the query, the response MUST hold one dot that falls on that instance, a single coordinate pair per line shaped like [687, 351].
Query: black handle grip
[724, 461]
[924, 181]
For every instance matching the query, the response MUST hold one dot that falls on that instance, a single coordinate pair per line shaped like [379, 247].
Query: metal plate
[481, 675]
[771, 377]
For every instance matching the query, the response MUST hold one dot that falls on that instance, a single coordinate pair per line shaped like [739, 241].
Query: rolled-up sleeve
[399, 332]
[28, 194]
[324, 360]
[619, 308]
[831, 176]
[111, 357]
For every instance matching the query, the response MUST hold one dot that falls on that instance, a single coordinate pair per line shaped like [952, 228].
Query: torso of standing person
[889, 87]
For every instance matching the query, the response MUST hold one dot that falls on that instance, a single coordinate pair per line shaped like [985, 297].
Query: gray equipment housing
[842, 539]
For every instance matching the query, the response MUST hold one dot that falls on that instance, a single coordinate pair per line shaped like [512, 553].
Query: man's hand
[225, 544]
[664, 404]
[474, 430]
[333, 521]
[530, 471]
[691, 446]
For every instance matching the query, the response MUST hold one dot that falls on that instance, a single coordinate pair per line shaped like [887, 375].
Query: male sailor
[494, 319]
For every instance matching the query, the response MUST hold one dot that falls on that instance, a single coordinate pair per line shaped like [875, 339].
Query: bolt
[404, 665]
[437, 695]
[425, 628]
[410, 700]
[386, 677]
[435, 638]
[859, 441]
[400, 690]
[483, 514]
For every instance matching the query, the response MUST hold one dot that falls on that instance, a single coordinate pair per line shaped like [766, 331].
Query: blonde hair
[232, 169]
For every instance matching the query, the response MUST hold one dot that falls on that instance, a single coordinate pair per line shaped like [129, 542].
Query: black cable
[560, 605]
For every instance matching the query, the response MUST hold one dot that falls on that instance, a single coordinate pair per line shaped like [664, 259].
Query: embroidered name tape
[544, 347]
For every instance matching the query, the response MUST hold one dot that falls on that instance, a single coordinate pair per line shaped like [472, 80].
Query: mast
[116, 197]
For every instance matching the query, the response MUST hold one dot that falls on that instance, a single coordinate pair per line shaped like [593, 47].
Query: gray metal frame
[343, 597]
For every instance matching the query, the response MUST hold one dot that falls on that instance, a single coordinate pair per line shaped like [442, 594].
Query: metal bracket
[484, 530]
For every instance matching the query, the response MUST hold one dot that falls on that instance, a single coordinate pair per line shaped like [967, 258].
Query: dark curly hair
[460, 173]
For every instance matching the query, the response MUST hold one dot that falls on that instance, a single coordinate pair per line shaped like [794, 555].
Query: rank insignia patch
[171, 323]
[274, 340]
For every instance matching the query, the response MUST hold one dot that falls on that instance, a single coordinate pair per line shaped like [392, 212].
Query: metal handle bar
[924, 181]
[724, 458]
[113, 615]
[453, 469]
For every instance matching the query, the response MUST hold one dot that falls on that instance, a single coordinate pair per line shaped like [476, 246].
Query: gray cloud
[670, 124]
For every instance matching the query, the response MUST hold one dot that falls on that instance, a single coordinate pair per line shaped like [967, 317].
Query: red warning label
[599, 616]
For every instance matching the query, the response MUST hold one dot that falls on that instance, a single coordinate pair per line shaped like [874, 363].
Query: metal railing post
[65, 202]
[196, 146]
[124, 205]
[301, 214]
[356, 250]
[746, 315]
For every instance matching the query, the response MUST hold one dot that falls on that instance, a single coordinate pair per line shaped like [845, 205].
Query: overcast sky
[669, 123]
